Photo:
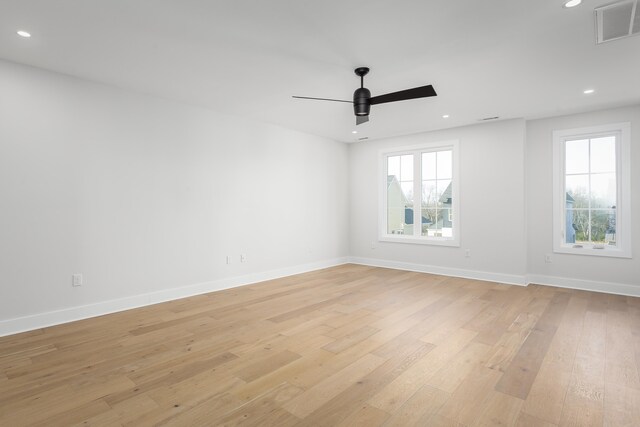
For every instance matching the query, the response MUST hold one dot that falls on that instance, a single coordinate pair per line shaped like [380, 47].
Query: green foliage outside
[601, 227]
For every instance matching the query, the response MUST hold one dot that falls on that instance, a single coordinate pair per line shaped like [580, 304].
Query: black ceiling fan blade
[322, 99]
[361, 119]
[416, 92]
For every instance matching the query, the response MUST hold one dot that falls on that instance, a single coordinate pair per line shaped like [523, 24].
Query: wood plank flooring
[346, 346]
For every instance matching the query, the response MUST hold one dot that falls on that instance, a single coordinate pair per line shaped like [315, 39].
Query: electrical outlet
[228, 259]
[373, 245]
[467, 253]
[243, 258]
[76, 280]
[547, 258]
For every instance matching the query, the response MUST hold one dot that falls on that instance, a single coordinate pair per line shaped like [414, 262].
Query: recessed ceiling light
[23, 33]
[354, 131]
[588, 91]
[572, 3]
[446, 116]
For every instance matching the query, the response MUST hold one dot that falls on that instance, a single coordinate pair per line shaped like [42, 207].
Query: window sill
[433, 241]
[590, 251]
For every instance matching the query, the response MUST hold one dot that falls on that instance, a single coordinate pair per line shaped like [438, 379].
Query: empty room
[329, 213]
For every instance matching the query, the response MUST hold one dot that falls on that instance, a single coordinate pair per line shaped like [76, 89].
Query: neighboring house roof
[446, 196]
[569, 198]
[393, 181]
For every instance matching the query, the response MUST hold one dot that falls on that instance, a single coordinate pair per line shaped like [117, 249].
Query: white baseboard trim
[585, 285]
[510, 279]
[51, 318]
[560, 282]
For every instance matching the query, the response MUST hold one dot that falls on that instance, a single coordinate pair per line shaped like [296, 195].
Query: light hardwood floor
[346, 346]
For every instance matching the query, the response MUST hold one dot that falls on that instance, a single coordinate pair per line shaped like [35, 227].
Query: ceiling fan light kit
[362, 99]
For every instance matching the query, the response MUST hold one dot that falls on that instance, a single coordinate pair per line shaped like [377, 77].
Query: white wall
[142, 195]
[505, 166]
[616, 275]
[147, 197]
[491, 205]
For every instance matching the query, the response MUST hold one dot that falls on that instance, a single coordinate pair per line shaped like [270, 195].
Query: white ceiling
[507, 58]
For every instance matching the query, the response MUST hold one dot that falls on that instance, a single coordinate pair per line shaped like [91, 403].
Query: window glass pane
[447, 222]
[393, 166]
[428, 165]
[577, 156]
[435, 232]
[445, 164]
[406, 168]
[586, 226]
[431, 220]
[396, 205]
[444, 190]
[570, 226]
[603, 190]
[601, 221]
[577, 188]
[429, 206]
[429, 193]
[407, 190]
[428, 215]
[610, 231]
[444, 203]
[578, 221]
[603, 154]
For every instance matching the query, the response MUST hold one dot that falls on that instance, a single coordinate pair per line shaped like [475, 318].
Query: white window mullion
[590, 240]
[562, 200]
[417, 194]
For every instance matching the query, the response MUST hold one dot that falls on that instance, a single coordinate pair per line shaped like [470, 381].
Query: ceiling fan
[362, 99]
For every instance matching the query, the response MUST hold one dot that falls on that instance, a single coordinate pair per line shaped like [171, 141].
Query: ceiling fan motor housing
[361, 106]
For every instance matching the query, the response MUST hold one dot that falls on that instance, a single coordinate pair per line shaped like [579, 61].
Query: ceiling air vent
[617, 20]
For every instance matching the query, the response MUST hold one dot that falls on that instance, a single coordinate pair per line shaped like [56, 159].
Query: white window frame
[623, 181]
[417, 151]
